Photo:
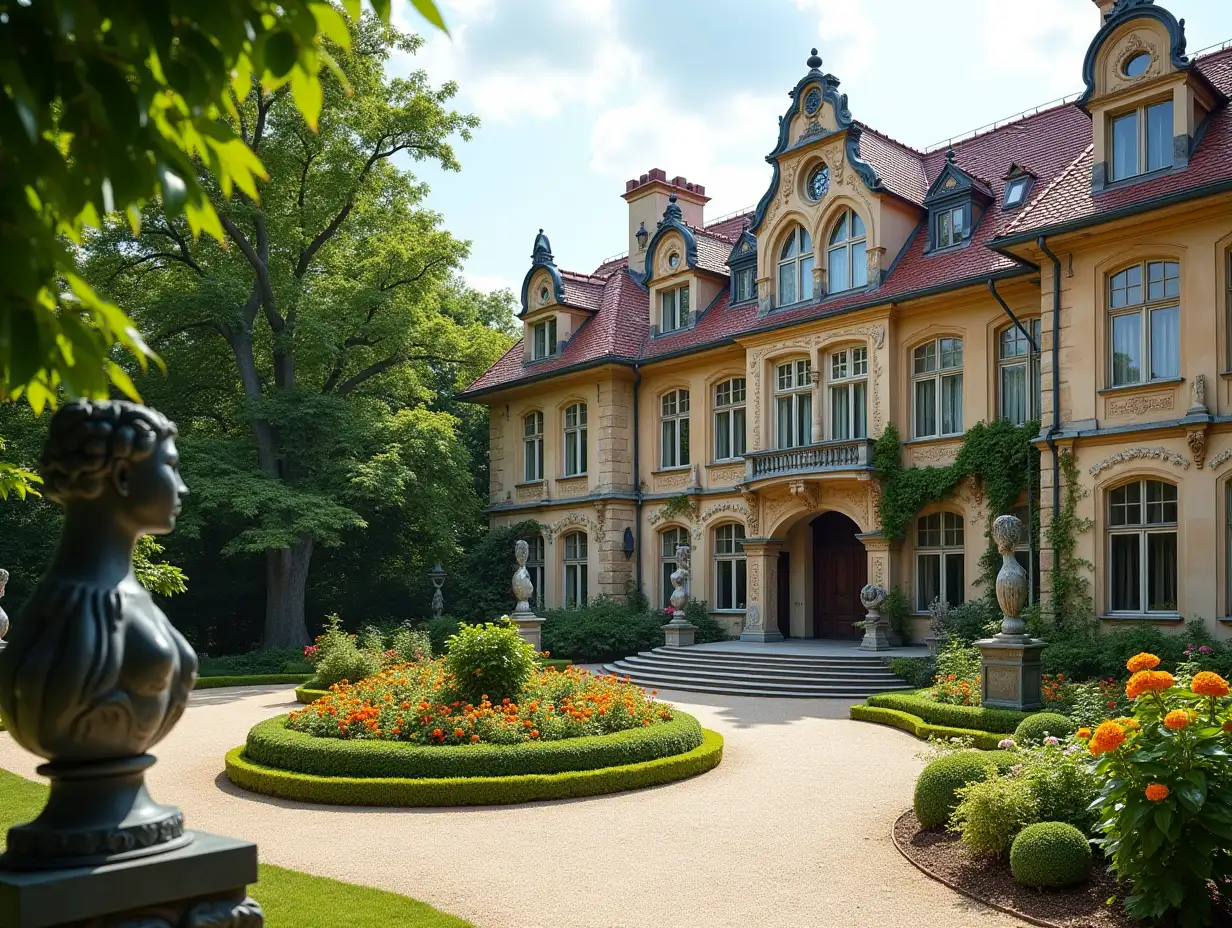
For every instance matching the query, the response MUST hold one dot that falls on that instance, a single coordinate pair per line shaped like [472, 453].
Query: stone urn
[1012, 586]
[1010, 660]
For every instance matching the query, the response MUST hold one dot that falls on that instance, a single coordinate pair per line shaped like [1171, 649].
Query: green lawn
[290, 899]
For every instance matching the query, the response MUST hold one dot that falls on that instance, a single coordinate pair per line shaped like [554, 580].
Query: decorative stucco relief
[572, 520]
[738, 509]
[1141, 404]
[1132, 46]
[935, 454]
[1220, 459]
[525, 494]
[575, 487]
[752, 508]
[727, 475]
[677, 481]
[1134, 454]
[972, 498]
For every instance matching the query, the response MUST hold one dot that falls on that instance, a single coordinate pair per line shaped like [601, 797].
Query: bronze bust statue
[94, 674]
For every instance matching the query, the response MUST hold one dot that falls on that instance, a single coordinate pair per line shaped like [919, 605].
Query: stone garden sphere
[872, 596]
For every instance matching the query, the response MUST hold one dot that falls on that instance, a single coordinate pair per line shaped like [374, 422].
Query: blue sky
[577, 96]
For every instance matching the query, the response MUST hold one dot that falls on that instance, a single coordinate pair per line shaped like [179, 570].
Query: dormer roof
[953, 182]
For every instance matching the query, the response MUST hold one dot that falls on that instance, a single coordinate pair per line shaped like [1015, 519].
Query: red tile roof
[1054, 145]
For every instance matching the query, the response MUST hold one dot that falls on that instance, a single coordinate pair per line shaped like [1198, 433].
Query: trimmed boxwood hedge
[915, 725]
[307, 694]
[997, 721]
[272, 744]
[262, 679]
[472, 791]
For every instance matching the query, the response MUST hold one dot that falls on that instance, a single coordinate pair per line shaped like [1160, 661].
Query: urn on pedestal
[530, 626]
[875, 626]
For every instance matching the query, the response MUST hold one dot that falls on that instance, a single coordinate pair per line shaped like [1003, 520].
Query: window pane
[952, 529]
[665, 584]
[787, 284]
[1165, 342]
[1124, 584]
[1124, 505]
[684, 441]
[1160, 502]
[838, 366]
[1125, 146]
[583, 576]
[806, 277]
[722, 393]
[742, 587]
[955, 586]
[945, 235]
[1161, 571]
[724, 595]
[951, 404]
[784, 421]
[804, 418]
[789, 247]
[859, 264]
[925, 408]
[857, 226]
[836, 270]
[722, 435]
[1126, 349]
[668, 443]
[1014, 393]
[571, 460]
[926, 358]
[927, 581]
[840, 231]
[859, 427]
[840, 420]
[928, 531]
[1159, 136]
[951, 353]
[738, 432]
[859, 361]
[683, 314]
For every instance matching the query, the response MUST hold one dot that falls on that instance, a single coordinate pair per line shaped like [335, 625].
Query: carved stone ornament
[4, 619]
[1220, 459]
[680, 579]
[1198, 391]
[1011, 578]
[235, 911]
[1134, 454]
[523, 588]
[875, 638]
[806, 492]
[122, 671]
[1197, 445]
[752, 522]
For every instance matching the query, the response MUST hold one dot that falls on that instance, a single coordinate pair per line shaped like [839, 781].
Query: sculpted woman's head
[117, 456]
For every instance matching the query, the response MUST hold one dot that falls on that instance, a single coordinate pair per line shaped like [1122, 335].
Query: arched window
[674, 429]
[846, 261]
[534, 567]
[1145, 322]
[1142, 521]
[937, 386]
[532, 447]
[793, 403]
[577, 580]
[849, 393]
[575, 440]
[939, 570]
[669, 540]
[796, 267]
[1019, 390]
[729, 419]
[730, 571]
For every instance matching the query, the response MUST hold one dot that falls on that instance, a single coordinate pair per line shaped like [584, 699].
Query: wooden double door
[840, 571]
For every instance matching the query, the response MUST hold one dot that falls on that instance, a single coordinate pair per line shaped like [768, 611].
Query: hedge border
[272, 744]
[471, 791]
[914, 725]
[976, 718]
[307, 695]
[260, 679]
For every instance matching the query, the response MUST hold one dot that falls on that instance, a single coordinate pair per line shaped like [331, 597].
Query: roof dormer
[680, 285]
[955, 201]
[743, 265]
[555, 304]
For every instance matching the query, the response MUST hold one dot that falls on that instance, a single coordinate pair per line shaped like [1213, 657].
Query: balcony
[851, 454]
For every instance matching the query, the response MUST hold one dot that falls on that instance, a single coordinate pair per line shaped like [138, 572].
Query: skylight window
[1016, 191]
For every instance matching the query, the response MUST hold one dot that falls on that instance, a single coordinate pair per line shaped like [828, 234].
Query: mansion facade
[722, 385]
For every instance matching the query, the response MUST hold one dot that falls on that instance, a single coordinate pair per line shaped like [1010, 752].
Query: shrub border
[472, 791]
[914, 725]
[307, 695]
[977, 718]
[260, 679]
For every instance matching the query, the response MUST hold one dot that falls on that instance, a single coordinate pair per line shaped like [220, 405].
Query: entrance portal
[840, 570]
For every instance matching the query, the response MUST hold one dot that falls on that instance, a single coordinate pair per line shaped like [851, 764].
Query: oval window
[1137, 65]
[673, 260]
[543, 294]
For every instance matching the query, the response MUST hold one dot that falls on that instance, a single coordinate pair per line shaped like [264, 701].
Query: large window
[575, 440]
[846, 257]
[745, 287]
[730, 572]
[937, 386]
[793, 403]
[534, 567]
[939, 560]
[674, 429]
[576, 579]
[544, 345]
[1145, 321]
[1019, 388]
[1142, 520]
[669, 540]
[796, 267]
[729, 419]
[849, 393]
[674, 309]
[1141, 141]
[532, 447]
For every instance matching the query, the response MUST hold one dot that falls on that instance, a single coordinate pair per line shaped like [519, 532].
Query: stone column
[871, 598]
[818, 433]
[761, 617]
[1010, 660]
[530, 626]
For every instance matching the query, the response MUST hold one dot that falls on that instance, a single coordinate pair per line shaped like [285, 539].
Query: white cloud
[489, 282]
[1046, 47]
[846, 34]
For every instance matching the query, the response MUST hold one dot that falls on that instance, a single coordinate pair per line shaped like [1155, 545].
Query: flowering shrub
[492, 659]
[417, 703]
[957, 682]
[1166, 803]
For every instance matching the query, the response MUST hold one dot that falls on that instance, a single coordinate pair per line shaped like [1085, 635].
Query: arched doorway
[840, 570]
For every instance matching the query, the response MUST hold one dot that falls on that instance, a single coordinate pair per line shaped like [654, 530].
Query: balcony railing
[852, 454]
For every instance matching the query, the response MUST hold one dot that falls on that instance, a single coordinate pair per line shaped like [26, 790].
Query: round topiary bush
[1050, 855]
[1034, 728]
[934, 790]
[491, 659]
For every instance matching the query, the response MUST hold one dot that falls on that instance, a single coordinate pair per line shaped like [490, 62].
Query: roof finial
[949, 154]
[542, 252]
[673, 213]
[814, 62]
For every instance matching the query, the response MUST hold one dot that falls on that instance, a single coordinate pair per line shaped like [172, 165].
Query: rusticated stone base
[679, 636]
[530, 627]
[1010, 672]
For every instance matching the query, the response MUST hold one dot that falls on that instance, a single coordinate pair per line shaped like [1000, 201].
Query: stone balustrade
[849, 454]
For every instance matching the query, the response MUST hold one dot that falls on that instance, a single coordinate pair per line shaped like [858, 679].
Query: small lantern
[627, 545]
[437, 576]
[641, 235]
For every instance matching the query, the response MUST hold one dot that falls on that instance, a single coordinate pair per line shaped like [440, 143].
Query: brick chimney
[647, 198]
[1104, 7]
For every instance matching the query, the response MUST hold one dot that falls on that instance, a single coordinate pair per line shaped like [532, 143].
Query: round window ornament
[543, 294]
[1137, 65]
[818, 183]
[812, 102]
[673, 260]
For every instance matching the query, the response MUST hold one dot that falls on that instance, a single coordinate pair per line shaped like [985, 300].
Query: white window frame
[1017, 185]
[745, 287]
[729, 407]
[796, 257]
[843, 239]
[793, 391]
[535, 566]
[674, 429]
[543, 343]
[948, 542]
[576, 587]
[730, 562]
[574, 441]
[1143, 529]
[1144, 308]
[1014, 351]
[669, 539]
[941, 371]
[1141, 115]
[532, 447]
[848, 391]
[674, 309]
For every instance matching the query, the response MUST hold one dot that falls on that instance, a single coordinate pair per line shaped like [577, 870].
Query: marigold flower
[1108, 737]
[1084, 733]
[1157, 792]
[1148, 681]
[1177, 719]
[1207, 683]
[1142, 661]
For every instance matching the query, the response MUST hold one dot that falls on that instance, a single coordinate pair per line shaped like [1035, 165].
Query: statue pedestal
[203, 883]
[679, 635]
[530, 627]
[1010, 671]
[875, 638]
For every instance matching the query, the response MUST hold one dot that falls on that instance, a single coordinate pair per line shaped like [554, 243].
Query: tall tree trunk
[286, 580]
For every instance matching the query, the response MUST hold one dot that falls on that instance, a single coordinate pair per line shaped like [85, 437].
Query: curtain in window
[1126, 349]
[859, 426]
[926, 407]
[787, 284]
[836, 277]
[1165, 343]
[955, 587]
[1125, 581]
[1014, 393]
[1159, 136]
[840, 413]
[804, 418]
[738, 432]
[806, 277]
[928, 581]
[1161, 571]
[859, 264]
[951, 404]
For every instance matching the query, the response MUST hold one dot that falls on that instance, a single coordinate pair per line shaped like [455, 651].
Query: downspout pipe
[1056, 375]
[637, 473]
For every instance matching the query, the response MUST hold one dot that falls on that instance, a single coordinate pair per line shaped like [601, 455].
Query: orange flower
[1148, 681]
[1108, 737]
[1209, 684]
[1142, 661]
[1227, 726]
[1084, 733]
[1177, 719]
[474, 738]
[1157, 792]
